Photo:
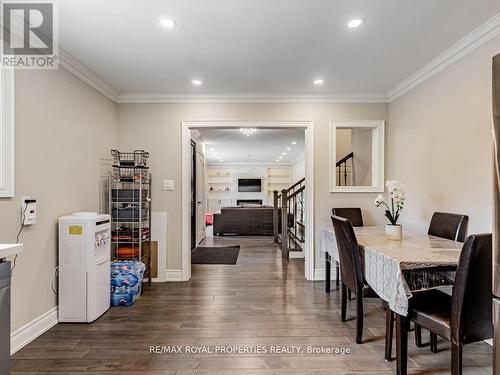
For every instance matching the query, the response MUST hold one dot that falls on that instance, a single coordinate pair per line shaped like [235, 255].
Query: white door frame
[309, 174]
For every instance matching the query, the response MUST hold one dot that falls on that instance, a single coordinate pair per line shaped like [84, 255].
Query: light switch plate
[28, 211]
[168, 185]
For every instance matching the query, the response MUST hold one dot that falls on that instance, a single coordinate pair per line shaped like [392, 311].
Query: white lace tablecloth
[421, 261]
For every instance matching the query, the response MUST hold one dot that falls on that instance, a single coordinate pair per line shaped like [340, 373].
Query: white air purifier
[84, 266]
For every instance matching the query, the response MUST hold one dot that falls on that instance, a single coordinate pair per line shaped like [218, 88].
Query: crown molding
[475, 39]
[253, 98]
[86, 75]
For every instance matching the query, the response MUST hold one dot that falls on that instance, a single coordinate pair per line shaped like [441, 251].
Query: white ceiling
[265, 146]
[263, 47]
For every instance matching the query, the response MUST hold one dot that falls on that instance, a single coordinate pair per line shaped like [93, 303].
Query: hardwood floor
[261, 301]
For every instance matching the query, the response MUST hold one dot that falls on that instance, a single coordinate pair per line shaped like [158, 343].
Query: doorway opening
[231, 180]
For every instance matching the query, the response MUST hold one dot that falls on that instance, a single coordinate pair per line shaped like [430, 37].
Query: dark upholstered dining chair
[353, 278]
[354, 215]
[466, 316]
[450, 226]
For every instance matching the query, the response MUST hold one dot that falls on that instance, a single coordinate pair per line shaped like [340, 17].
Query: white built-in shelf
[8, 250]
[220, 180]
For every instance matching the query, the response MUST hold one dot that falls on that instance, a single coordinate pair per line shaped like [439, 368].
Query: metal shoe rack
[130, 208]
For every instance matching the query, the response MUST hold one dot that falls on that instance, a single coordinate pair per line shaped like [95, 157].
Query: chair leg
[328, 267]
[349, 295]
[434, 343]
[418, 336]
[456, 359]
[389, 332]
[359, 318]
[337, 275]
[343, 308]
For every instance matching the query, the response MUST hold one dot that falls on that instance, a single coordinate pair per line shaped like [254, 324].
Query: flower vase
[394, 232]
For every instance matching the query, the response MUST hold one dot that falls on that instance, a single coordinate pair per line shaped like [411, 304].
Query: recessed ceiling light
[196, 82]
[222, 161]
[355, 22]
[279, 157]
[294, 143]
[277, 161]
[212, 149]
[283, 153]
[168, 23]
[318, 81]
[288, 148]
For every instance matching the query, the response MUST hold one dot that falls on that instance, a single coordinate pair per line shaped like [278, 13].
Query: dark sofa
[244, 221]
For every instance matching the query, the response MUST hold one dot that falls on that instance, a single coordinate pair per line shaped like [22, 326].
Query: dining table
[396, 268]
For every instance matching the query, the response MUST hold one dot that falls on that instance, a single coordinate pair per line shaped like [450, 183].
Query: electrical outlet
[28, 210]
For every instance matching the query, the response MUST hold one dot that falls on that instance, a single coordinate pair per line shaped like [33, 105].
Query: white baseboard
[161, 279]
[319, 274]
[174, 275]
[30, 331]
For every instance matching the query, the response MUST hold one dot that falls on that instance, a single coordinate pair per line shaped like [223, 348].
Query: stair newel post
[275, 216]
[284, 223]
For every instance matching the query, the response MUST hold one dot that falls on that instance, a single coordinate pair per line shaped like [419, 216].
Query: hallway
[262, 301]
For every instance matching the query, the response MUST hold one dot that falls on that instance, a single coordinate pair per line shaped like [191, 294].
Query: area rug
[215, 255]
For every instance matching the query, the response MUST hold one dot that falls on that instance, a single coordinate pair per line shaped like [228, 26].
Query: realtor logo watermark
[29, 35]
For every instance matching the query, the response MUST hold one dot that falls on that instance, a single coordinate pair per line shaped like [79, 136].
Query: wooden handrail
[296, 192]
[344, 159]
[296, 184]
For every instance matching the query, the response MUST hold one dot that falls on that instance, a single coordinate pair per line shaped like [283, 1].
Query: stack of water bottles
[126, 282]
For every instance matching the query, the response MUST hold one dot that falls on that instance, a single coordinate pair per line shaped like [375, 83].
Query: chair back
[471, 315]
[352, 213]
[450, 226]
[349, 255]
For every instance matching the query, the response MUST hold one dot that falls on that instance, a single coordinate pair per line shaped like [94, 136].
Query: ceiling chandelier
[248, 131]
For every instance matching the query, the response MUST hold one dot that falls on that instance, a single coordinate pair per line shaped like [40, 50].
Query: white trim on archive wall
[7, 169]
[309, 162]
[469, 43]
[378, 152]
[487, 31]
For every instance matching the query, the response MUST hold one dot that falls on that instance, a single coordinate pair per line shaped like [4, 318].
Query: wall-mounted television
[247, 185]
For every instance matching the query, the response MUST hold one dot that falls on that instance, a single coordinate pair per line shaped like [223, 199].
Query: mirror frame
[6, 133]
[378, 152]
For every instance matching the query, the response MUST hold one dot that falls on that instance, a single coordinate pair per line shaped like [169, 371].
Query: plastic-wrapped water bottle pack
[126, 277]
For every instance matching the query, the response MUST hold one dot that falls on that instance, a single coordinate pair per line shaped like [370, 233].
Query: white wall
[299, 169]
[63, 127]
[439, 142]
[157, 128]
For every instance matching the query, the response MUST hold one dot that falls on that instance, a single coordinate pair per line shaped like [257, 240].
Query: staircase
[288, 218]
[344, 168]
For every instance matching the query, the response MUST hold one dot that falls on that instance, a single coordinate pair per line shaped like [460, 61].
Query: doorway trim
[309, 175]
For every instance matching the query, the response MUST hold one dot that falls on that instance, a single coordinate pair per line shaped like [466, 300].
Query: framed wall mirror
[357, 156]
